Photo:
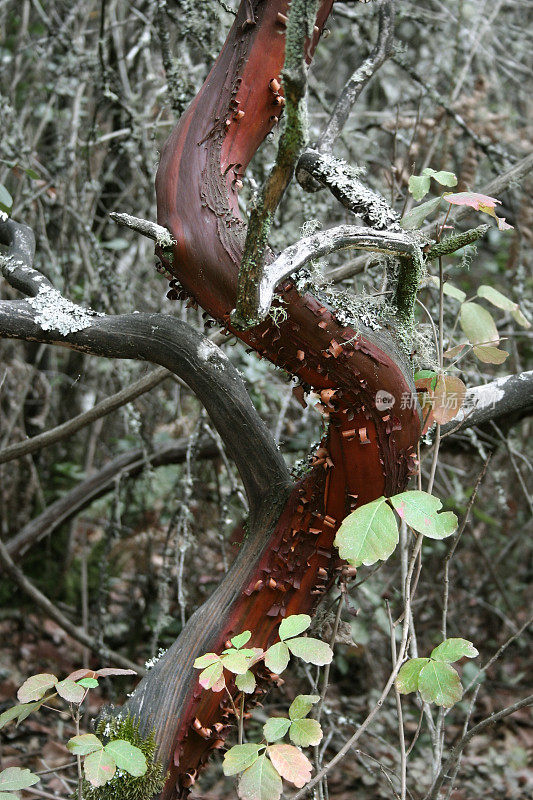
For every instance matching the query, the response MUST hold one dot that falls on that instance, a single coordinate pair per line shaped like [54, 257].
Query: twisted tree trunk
[287, 561]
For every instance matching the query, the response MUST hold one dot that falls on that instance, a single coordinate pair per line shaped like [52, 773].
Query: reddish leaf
[35, 687]
[472, 199]
[440, 403]
[290, 763]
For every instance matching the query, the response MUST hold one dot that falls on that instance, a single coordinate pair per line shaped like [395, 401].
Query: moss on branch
[302, 15]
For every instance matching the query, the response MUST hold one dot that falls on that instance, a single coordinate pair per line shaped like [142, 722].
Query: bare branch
[360, 78]
[126, 465]
[145, 227]
[401, 243]
[343, 182]
[461, 744]
[48, 317]
[107, 406]
[492, 151]
[504, 397]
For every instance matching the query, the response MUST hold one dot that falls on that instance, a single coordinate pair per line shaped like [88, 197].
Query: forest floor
[496, 765]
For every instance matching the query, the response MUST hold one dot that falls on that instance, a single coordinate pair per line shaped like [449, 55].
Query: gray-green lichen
[343, 180]
[55, 313]
[374, 311]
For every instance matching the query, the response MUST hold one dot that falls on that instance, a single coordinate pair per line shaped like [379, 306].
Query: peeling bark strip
[287, 560]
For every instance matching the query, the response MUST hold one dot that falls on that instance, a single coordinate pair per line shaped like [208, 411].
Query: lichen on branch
[302, 15]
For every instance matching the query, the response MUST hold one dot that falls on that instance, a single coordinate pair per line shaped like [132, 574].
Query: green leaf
[305, 732]
[8, 796]
[290, 763]
[31, 173]
[425, 374]
[496, 298]
[35, 687]
[302, 705]
[453, 649]
[277, 657]
[275, 728]
[241, 639]
[28, 708]
[312, 651]
[442, 177]
[99, 767]
[6, 201]
[127, 757]
[12, 713]
[205, 660]
[407, 678]
[14, 778]
[520, 318]
[260, 781]
[415, 218]
[246, 682]
[490, 355]
[453, 291]
[478, 325]
[237, 661]
[84, 744]
[210, 676]
[419, 186]
[368, 534]
[449, 289]
[88, 683]
[439, 683]
[240, 757]
[419, 510]
[70, 691]
[20, 712]
[294, 625]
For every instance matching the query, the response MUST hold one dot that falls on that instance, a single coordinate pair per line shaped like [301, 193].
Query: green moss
[124, 786]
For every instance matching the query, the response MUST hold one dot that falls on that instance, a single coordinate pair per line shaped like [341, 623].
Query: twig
[401, 731]
[455, 542]
[348, 745]
[294, 257]
[107, 406]
[461, 744]
[499, 652]
[145, 227]
[360, 78]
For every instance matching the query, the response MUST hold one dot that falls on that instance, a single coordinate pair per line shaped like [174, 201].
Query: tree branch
[48, 317]
[343, 182]
[126, 465]
[461, 744]
[107, 406]
[512, 394]
[302, 14]
[400, 243]
[360, 78]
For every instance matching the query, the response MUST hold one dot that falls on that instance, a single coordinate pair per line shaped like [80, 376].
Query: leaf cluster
[239, 660]
[433, 677]
[370, 533]
[262, 766]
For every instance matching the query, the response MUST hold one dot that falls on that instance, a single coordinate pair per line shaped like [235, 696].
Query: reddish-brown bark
[365, 453]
